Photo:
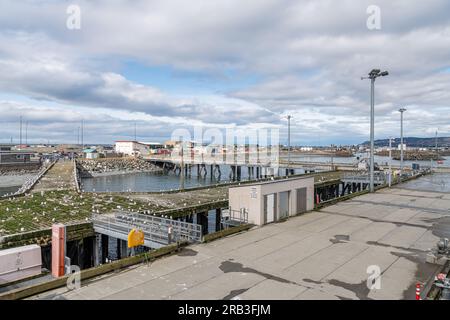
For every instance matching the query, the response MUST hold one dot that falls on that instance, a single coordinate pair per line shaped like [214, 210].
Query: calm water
[435, 182]
[8, 190]
[378, 159]
[157, 181]
[147, 181]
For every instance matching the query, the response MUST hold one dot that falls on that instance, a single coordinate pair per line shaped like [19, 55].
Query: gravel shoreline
[118, 173]
[117, 166]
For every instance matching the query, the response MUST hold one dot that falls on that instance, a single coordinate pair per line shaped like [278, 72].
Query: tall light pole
[436, 144]
[289, 143]
[375, 73]
[182, 166]
[401, 110]
[390, 161]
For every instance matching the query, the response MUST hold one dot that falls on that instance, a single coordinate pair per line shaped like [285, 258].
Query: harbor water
[148, 182]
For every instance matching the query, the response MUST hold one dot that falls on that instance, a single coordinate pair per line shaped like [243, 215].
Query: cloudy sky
[222, 63]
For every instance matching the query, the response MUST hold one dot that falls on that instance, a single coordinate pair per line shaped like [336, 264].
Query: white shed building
[270, 201]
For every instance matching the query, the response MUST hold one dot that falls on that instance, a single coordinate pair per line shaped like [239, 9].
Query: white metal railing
[76, 176]
[155, 228]
[232, 217]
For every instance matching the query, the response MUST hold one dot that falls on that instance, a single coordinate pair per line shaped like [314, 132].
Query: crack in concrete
[376, 243]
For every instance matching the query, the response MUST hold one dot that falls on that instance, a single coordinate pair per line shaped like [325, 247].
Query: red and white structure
[418, 286]
[58, 250]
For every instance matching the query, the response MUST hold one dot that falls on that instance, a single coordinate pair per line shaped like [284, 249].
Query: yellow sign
[135, 238]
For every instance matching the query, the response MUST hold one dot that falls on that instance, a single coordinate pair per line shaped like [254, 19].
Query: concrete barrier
[226, 232]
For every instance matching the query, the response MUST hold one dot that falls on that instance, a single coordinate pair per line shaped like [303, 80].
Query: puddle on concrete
[234, 293]
[312, 281]
[229, 266]
[340, 238]
[439, 182]
[344, 298]
[359, 289]
[430, 220]
[422, 274]
[187, 253]
[441, 228]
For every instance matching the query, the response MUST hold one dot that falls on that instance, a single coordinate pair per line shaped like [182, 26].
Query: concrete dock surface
[319, 255]
[58, 177]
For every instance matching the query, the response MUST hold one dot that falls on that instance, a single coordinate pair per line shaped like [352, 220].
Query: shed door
[269, 208]
[284, 204]
[301, 200]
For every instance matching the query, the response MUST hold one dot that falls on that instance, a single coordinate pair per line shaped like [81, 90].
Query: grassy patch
[42, 209]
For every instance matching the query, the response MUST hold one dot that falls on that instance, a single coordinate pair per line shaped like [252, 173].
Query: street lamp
[401, 110]
[375, 73]
[390, 161]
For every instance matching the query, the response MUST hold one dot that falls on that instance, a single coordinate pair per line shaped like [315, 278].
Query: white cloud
[308, 57]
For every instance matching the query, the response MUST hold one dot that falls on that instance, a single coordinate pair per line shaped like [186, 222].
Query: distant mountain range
[413, 142]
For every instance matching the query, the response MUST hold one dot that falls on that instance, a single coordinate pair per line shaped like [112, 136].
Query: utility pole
[401, 110]
[82, 134]
[135, 131]
[26, 133]
[375, 73]
[20, 135]
[436, 146]
[289, 143]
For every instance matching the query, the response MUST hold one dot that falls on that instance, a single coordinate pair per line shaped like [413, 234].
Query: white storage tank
[19, 263]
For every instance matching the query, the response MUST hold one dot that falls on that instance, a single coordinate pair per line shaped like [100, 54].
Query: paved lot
[319, 255]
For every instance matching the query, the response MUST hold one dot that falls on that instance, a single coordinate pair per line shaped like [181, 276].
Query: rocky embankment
[114, 166]
[324, 153]
[18, 172]
[412, 155]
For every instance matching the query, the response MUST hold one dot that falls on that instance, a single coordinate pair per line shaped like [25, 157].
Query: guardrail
[232, 218]
[76, 176]
[381, 186]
